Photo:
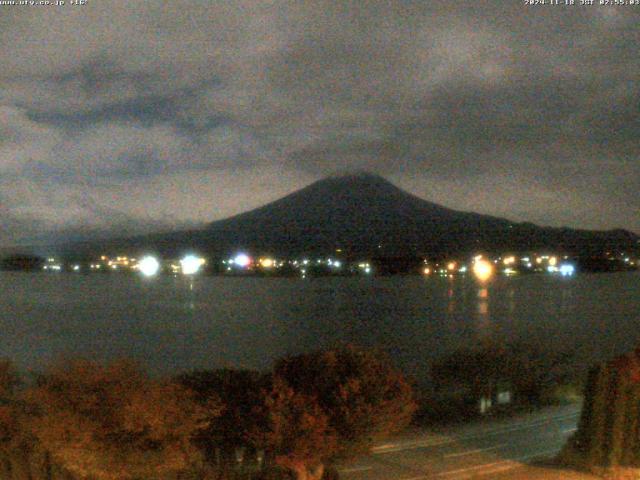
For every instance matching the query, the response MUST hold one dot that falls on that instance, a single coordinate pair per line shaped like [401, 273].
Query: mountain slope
[364, 214]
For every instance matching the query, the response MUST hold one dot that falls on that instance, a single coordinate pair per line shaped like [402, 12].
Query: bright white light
[552, 269]
[242, 260]
[149, 266]
[76, 268]
[337, 263]
[566, 270]
[191, 264]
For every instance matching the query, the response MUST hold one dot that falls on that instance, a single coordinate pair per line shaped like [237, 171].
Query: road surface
[502, 449]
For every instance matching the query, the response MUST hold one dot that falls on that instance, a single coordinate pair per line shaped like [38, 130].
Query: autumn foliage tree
[332, 404]
[114, 422]
[608, 434]
[295, 430]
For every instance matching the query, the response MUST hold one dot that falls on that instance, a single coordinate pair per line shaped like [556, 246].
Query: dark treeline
[83, 420]
[507, 375]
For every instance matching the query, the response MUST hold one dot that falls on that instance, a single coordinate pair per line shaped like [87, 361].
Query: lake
[173, 323]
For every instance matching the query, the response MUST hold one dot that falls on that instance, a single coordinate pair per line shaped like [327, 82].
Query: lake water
[172, 324]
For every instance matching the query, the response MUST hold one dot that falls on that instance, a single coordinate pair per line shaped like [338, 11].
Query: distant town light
[451, 266]
[483, 270]
[267, 262]
[242, 260]
[566, 269]
[509, 260]
[191, 264]
[149, 266]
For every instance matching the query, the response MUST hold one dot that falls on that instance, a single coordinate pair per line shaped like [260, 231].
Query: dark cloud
[172, 113]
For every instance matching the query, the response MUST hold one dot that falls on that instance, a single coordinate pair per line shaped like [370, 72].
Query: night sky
[157, 115]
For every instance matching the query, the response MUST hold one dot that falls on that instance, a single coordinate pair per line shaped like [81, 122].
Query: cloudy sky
[131, 116]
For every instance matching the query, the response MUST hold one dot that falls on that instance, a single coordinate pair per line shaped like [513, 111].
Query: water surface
[173, 324]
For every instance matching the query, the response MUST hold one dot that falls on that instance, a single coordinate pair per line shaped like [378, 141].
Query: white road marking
[477, 450]
[383, 449]
[569, 430]
[476, 470]
[502, 465]
[355, 469]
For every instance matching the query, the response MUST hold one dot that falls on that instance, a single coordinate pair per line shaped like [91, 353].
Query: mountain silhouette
[363, 215]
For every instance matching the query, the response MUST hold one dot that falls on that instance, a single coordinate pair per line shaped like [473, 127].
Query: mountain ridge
[365, 214]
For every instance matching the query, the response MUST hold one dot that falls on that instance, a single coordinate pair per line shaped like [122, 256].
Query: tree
[295, 431]
[608, 435]
[346, 398]
[239, 394]
[114, 422]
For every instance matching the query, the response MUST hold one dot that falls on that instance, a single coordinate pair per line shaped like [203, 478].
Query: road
[486, 449]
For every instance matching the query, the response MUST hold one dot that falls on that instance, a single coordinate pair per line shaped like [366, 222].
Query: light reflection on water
[204, 322]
